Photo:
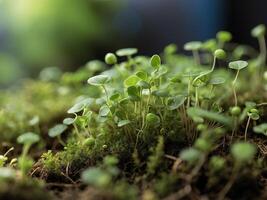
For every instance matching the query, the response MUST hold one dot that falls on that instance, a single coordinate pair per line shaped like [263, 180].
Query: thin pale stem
[196, 57]
[234, 90]
[106, 93]
[246, 130]
[263, 51]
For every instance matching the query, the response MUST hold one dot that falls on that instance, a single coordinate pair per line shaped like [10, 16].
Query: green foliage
[163, 125]
[155, 160]
[243, 152]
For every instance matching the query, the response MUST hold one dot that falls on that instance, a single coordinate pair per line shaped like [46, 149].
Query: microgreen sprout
[237, 65]
[261, 129]
[24, 162]
[194, 46]
[56, 131]
[100, 80]
[110, 59]
[223, 37]
[243, 153]
[259, 33]
[254, 115]
[198, 81]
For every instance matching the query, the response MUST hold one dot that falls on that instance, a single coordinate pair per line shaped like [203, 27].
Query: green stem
[246, 130]
[188, 92]
[106, 93]
[60, 140]
[233, 85]
[196, 93]
[263, 51]
[229, 184]
[196, 57]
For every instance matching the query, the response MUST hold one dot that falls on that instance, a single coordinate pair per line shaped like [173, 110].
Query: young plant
[223, 37]
[254, 115]
[261, 129]
[200, 79]
[27, 140]
[57, 131]
[194, 46]
[237, 65]
[259, 33]
[242, 153]
[100, 80]
[110, 59]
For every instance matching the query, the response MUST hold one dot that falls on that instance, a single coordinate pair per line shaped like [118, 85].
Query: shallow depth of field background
[38, 33]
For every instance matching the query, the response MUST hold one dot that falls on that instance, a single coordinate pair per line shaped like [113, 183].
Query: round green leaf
[110, 59]
[258, 31]
[155, 61]
[220, 54]
[262, 129]
[131, 80]
[193, 46]
[238, 65]
[95, 66]
[98, 80]
[224, 36]
[190, 155]
[69, 121]
[152, 119]
[104, 111]
[57, 130]
[28, 138]
[96, 177]
[7, 173]
[76, 108]
[216, 81]
[243, 151]
[123, 123]
[175, 102]
[126, 52]
[142, 75]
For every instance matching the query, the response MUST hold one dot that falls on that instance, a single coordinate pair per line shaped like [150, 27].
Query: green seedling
[57, 131]
[253, 114]
[223, 37]
[237, 65]
[261, 129]
[259, 33]
[155, 62]
[242, 153]
[201, 79]
[194, 46]
[217, 163]
[190, 155]
[7, 174]
[126, 52]
[210, 45]
[24, 162]
[170, 49]
[4, 158]
[152, 119]
[100, 80]
[110, 59]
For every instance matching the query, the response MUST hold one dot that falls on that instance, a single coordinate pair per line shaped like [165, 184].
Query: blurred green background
[67, 33]
[39, 33]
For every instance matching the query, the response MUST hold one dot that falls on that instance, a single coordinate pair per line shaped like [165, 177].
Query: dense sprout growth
[166, 126]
